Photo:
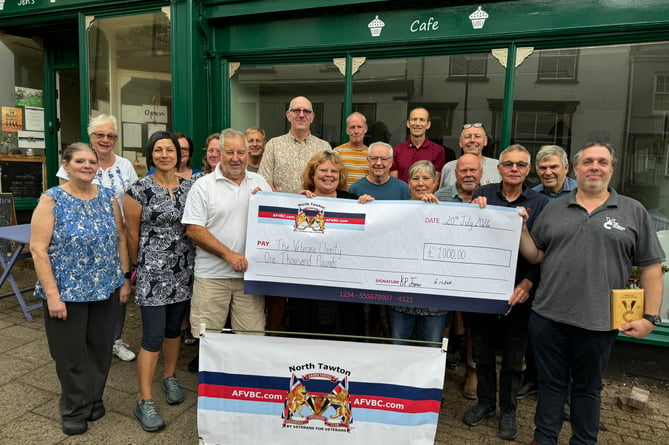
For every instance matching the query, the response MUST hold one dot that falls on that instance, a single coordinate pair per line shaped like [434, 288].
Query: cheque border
[469, 304]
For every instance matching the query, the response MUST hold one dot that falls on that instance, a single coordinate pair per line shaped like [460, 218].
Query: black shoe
[97, 412]
[194, 365]
[452, 359]
[506, 428]
[73, 427]
[476, 415]
[527, 389]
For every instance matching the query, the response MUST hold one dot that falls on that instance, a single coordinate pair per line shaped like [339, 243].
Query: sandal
[187, 337]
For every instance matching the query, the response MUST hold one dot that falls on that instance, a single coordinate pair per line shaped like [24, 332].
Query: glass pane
[130, 77]
[619, 108]
[454, 89]
[260, 95]
[21, 83]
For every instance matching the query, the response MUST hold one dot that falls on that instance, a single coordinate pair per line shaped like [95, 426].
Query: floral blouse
[166, 255]
[84, 247]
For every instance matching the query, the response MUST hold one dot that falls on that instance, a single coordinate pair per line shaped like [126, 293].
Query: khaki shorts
[214, 298]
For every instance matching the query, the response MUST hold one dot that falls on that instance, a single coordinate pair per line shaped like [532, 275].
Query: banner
[274, 390]
[409, 253]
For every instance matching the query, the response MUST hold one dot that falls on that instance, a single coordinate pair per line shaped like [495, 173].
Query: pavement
[29, 392]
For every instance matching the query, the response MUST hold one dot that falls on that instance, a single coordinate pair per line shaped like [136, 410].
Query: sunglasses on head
[475, 124]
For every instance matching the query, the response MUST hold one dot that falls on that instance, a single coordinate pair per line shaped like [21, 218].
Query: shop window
[398, 85]
[130, 77]
[661, 93]
[472, 66]
[559, 64]
[260, 94]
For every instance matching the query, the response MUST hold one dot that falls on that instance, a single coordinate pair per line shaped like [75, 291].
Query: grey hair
[548, 151]
[423, 166]
[382, 144]
[101, 119]
[614, 159]
[516, 147]
[231, 133]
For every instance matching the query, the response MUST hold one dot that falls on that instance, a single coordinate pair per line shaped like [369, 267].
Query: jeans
[509, 332]
[429, 327]
[559, 348]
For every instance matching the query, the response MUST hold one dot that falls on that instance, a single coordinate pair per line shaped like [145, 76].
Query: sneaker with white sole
[120, 350]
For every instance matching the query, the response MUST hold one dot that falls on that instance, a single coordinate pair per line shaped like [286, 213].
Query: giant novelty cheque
[406, 253]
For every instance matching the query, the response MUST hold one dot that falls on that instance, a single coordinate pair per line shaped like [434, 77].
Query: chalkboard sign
[23, 178]
[7, 218]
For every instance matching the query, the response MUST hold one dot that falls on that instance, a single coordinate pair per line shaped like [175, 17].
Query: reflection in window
[627, 108]
[441, 84]
[260, 95]
[661, 95]
[130, 76]
[470, 65]
[559, 64]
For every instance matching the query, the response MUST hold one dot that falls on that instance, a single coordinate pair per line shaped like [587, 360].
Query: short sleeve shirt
[406, 153]
[587, 255]
[284, 159]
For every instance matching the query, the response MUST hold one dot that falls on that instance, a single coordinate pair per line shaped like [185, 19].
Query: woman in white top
[116, 173]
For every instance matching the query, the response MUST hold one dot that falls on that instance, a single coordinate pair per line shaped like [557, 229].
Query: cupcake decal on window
[376, 26]
[478, 18]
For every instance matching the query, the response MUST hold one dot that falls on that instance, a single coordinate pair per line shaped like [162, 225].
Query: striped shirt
[355, 162]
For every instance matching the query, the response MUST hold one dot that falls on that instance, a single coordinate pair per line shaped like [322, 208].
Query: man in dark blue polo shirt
[508, 330]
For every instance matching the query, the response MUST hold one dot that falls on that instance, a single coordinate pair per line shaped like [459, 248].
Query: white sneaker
[121, 351]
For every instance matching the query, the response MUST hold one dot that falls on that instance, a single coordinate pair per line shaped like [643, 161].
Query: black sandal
[187, 337]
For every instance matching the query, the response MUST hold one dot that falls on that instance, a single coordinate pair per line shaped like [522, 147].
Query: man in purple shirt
[417, 148]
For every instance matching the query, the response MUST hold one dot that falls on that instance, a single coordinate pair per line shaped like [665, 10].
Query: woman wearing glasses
[116, 173]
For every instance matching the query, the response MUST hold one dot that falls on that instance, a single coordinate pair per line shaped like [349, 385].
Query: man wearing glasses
[286, 156]
[378, 183]
[281, 165]
[418, 147]
[510, 329]
[473, 140]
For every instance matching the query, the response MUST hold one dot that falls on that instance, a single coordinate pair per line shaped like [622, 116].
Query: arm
[124, 291]
[527, 247]
[651, 282]
[206, 241]
[41, 231]
[133, 214]
[393, 173]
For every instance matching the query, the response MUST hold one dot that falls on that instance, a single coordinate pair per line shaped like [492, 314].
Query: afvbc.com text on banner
[273, 390]
[409, 253]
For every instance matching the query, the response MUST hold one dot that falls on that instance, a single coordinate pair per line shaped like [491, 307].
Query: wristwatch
[127, 275]
[655, 319]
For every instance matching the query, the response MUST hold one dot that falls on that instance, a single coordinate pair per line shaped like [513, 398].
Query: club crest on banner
[310, 218]
[302, 406]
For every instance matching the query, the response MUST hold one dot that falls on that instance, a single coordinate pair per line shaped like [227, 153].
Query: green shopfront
[533, 72]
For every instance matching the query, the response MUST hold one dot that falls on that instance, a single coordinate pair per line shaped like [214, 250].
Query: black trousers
[81, 348]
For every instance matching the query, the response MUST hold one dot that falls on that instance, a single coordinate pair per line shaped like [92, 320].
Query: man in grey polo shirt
[586, 242]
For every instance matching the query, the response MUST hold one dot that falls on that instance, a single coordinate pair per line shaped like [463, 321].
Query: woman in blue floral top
[164, 255]
[81, 260]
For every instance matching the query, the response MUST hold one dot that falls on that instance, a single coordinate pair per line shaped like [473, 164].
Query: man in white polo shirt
[215, 217]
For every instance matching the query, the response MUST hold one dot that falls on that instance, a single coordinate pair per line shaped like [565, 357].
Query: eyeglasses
[475, 125]
[298, 111]
[379, 158]
[509, 164]
[110, 136]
